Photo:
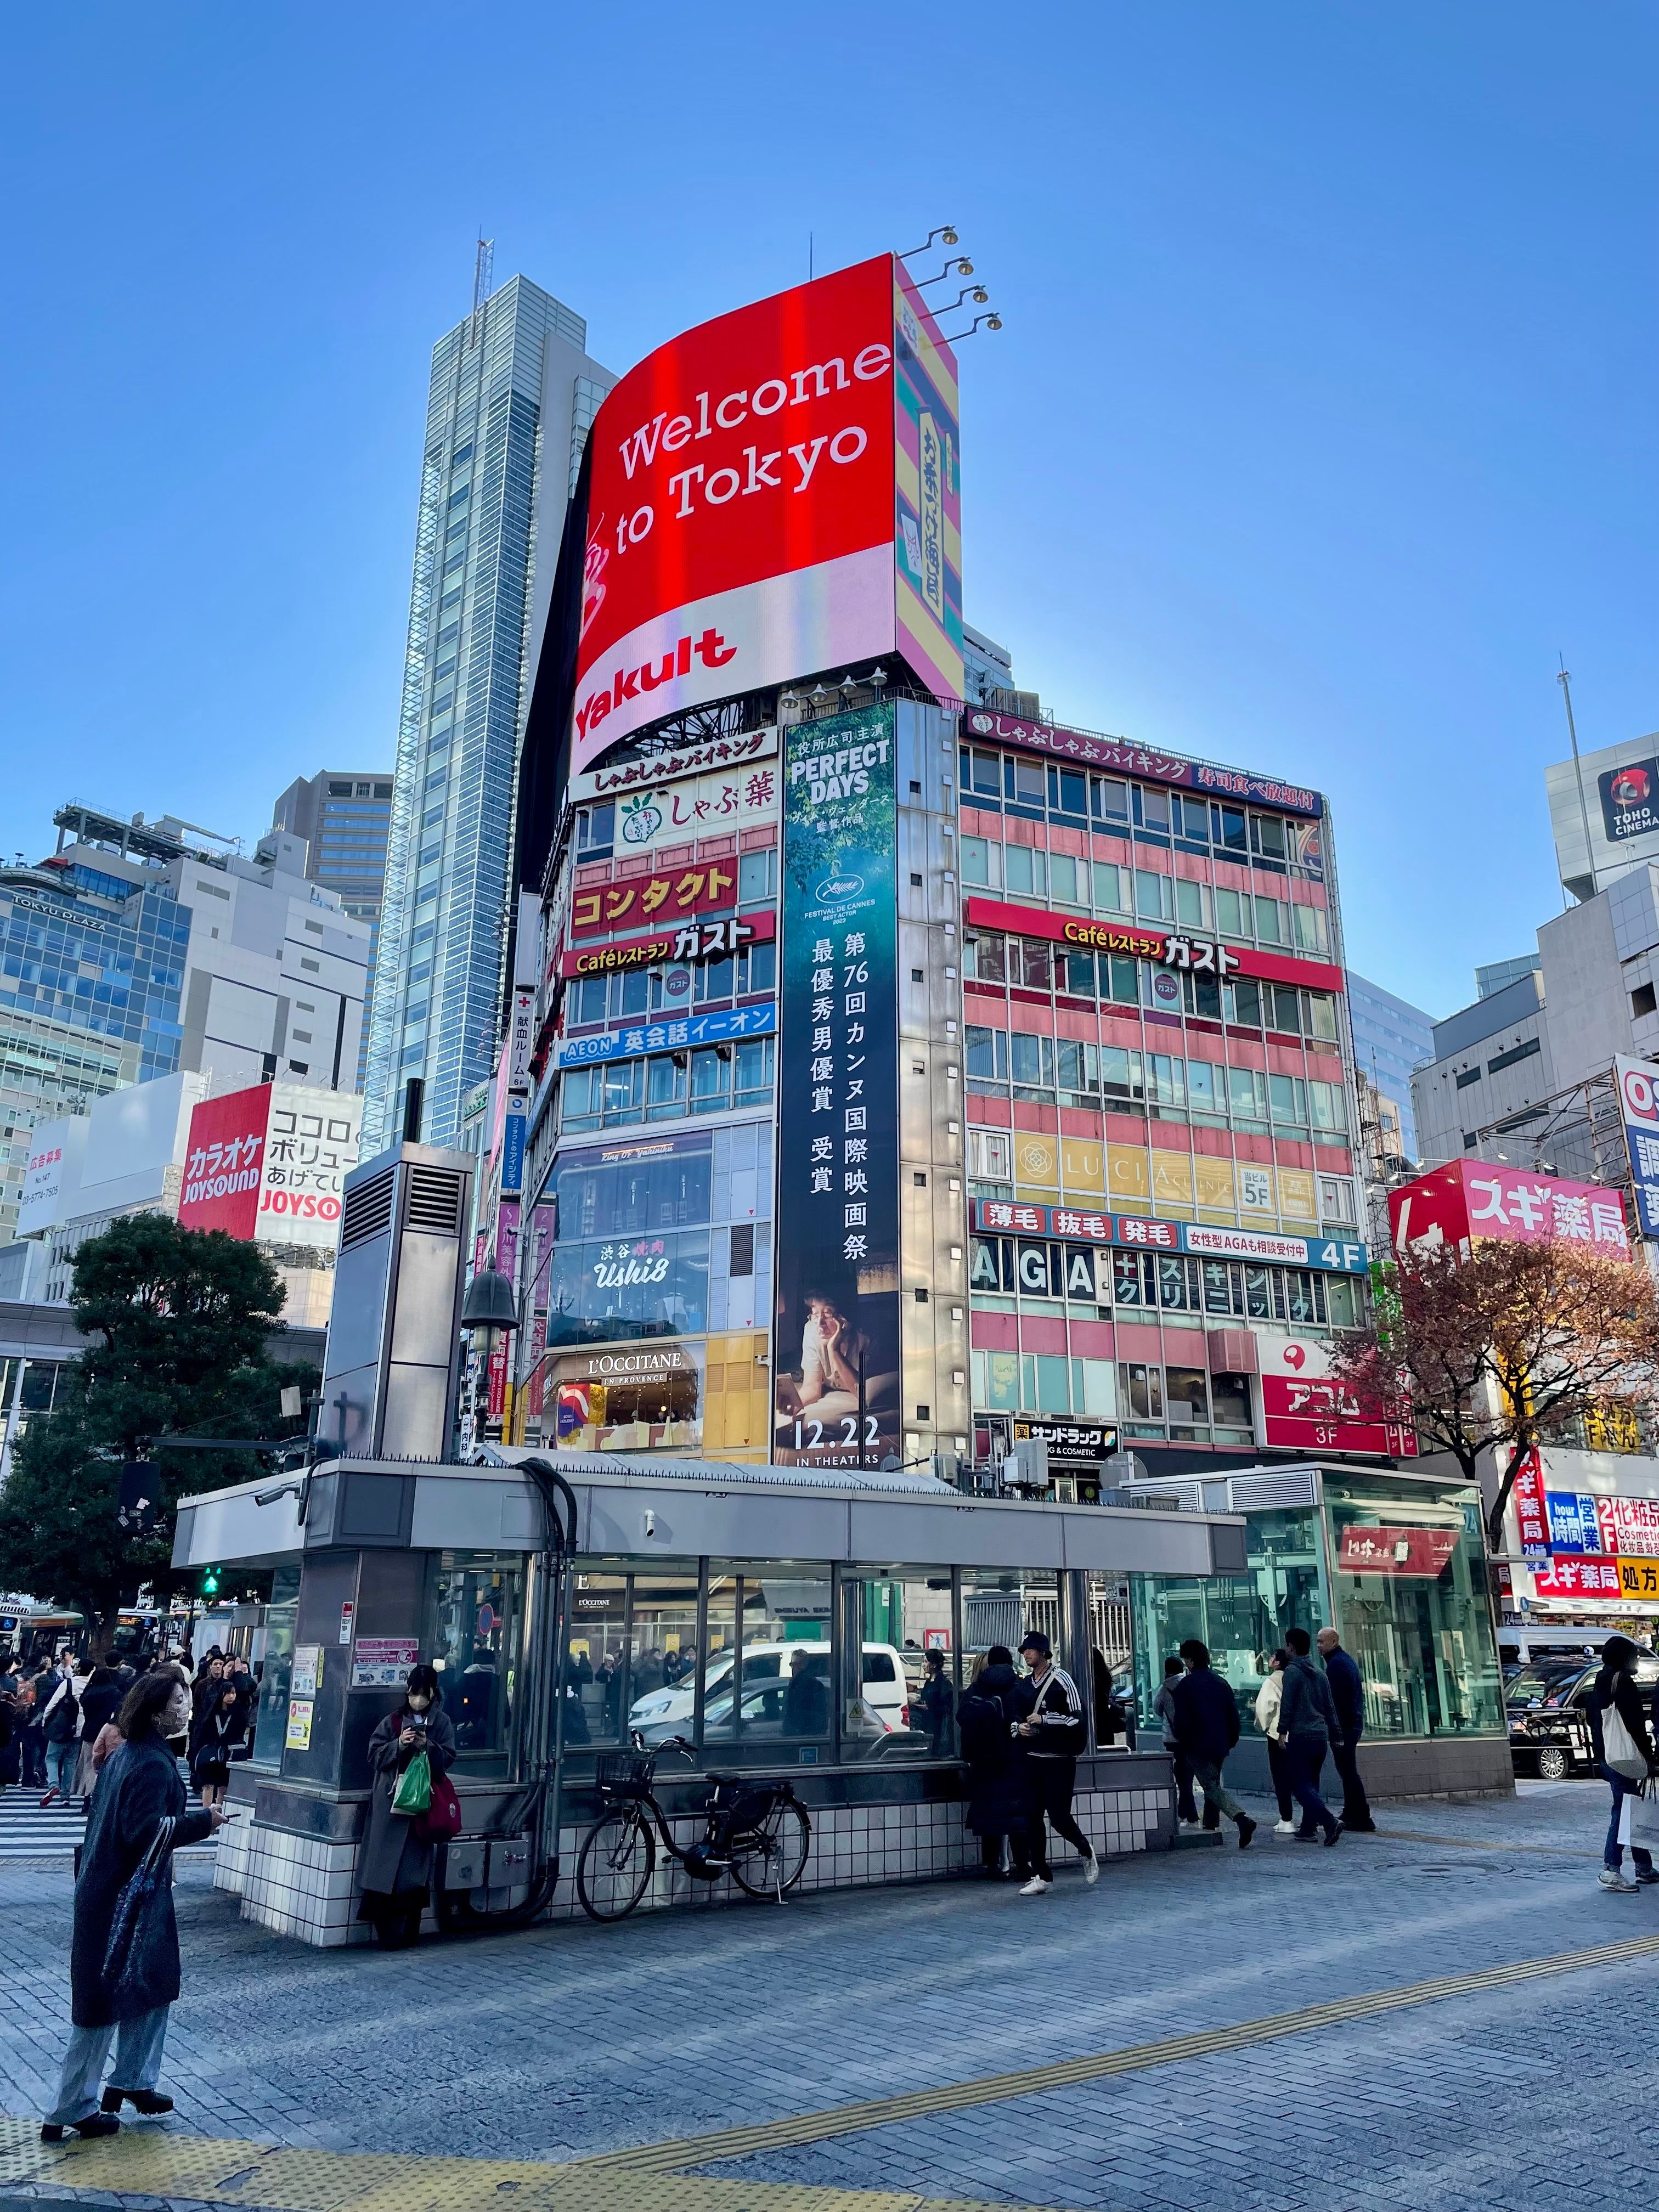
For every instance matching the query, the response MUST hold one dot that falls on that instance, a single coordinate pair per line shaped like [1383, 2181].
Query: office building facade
[513, 394]
[1390, 1037]
[345, 815]
[903, 1078]
[134, 952]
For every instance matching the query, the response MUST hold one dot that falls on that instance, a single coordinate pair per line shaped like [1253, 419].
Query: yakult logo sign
[742, 483]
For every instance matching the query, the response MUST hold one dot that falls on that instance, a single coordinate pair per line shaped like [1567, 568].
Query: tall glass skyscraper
[513, 392]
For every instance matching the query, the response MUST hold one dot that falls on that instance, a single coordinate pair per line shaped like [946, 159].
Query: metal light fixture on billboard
[963, 267]
[946, 233]
[954, 338]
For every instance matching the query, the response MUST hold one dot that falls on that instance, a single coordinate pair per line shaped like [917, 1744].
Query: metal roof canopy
[642, 1510]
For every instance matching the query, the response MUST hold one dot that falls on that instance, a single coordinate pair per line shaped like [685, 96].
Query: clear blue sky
[1323, 416]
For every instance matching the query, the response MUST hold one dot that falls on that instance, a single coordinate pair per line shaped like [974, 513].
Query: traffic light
[211, 1582]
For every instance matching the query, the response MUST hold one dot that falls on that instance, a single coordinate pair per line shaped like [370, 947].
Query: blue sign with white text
[668, 1037]
[1573, 1524]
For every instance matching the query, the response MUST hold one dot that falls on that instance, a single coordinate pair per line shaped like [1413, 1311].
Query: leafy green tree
[177, 1321]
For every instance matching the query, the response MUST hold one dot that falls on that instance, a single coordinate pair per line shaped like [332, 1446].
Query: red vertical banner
[1531, 1513]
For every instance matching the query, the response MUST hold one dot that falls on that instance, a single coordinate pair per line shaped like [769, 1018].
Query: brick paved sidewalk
[565, 2043]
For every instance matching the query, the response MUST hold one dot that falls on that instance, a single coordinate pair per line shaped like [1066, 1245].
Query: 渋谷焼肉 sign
[838, 1261]
[667, 1036]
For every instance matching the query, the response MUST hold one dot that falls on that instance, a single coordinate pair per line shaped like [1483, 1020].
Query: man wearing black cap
[1053, 1734]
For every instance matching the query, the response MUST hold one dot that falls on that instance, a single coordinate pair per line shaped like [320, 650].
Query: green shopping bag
[414, 1790]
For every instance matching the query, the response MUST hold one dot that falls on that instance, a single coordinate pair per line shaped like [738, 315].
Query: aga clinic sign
[269, 1164]
[774, 492]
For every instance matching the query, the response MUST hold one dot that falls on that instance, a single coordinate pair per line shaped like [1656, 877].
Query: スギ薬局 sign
[772, 493]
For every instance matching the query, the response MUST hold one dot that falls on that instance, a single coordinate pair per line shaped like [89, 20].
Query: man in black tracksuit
[1052, 1733]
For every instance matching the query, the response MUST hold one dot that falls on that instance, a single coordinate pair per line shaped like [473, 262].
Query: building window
[1642, 1000]
[1515, 1054]
[1469, 1075]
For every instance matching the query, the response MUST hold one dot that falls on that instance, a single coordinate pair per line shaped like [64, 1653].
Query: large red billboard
[1468, 1199]
[770, 494]
[224, 1166]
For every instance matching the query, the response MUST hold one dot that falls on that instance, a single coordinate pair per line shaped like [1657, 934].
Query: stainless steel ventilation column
[389, 1374]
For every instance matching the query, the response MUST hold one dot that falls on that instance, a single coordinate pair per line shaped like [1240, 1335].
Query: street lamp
[490, 1315]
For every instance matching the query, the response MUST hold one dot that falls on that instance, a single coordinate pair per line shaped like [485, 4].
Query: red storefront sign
[688, 942]
[655, 900]
[1169, 948]
[1392, 1551]
[1576, 1577]
[1531, 1512]
[1311, 1414]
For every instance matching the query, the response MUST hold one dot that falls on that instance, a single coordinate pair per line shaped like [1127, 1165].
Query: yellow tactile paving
[651, 2178]
[147, 2162]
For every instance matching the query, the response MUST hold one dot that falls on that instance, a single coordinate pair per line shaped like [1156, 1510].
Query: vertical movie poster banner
[837, 1265]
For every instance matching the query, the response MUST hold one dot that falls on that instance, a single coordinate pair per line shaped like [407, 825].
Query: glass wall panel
[776, 1703]
[271, 1717]
[1242, 1617]
[894, 1711]
[661, 1650]
[597, 1669]
[1409, 1581]
[476, 1602]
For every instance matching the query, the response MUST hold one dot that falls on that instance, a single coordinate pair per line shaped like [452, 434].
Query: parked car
[668, 1711]
[1549, 1724]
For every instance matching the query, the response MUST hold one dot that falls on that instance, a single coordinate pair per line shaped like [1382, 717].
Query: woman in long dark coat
[137, 1790]
[396, 1867]
[999, 1799]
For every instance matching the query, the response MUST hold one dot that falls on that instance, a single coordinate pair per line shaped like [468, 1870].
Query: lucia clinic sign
[773, 493]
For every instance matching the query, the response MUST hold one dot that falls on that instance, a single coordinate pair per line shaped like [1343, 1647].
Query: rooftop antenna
[809, 257]
[1565, 679]
[483, 271]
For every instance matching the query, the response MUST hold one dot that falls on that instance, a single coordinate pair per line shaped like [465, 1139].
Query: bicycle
[755, 1830]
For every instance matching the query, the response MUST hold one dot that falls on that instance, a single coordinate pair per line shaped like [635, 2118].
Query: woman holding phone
[397, 1862]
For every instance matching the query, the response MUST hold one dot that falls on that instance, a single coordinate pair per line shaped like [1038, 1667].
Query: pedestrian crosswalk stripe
[652, 2177]
[29, 1830]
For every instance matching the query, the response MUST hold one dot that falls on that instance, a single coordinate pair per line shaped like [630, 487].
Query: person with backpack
[60, 1726]
[1624, 1752]
[1053, 1733]
[1207, 1729]
[998, 1797]
[1308, 1727]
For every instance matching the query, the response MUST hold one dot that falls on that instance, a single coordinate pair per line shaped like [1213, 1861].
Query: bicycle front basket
[625, 1773]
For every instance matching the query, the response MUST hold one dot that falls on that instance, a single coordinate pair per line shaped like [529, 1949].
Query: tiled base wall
[302, 1885]
[299, 1886]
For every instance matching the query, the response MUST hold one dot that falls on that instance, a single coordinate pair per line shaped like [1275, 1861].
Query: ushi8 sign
[773, 493]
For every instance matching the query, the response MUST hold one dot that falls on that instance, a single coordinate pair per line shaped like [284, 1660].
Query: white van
[668, 1711]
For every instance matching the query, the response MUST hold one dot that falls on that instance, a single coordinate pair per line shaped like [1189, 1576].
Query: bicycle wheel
[619, 1854]
[768, 1859]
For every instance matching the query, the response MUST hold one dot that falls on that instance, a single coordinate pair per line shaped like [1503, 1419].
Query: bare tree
[1495, 1348]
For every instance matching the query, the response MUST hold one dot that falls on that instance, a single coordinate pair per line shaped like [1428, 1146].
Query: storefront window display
[627, 1398]
[477, 1610]
[1408, 1576]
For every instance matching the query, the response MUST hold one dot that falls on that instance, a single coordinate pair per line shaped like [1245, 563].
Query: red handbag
[442, 1817]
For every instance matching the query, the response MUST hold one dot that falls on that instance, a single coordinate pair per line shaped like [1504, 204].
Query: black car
[1549, 1724]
